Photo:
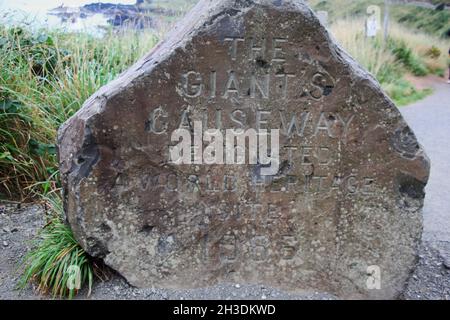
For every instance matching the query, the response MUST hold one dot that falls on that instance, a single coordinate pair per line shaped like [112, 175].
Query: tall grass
[405, 51]
[44, 79]
[432, 50]
[369, 52]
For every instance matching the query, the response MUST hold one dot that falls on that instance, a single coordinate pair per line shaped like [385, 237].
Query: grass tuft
[57, 264]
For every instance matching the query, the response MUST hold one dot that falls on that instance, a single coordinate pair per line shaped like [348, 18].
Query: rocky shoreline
[138, 16]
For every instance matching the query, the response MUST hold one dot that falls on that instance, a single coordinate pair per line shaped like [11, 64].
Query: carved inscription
[311, 141]
[289, 184]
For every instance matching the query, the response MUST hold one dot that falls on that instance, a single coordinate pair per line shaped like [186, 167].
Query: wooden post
[386, 21]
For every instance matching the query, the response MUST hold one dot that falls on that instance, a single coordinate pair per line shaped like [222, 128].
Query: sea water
[35, 14]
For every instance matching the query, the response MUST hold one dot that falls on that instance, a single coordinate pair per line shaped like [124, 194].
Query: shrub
[407, 57]
[404, 93]
[391, 61]
[433, 52]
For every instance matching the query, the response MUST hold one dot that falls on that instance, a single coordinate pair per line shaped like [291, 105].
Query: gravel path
[430, 119]
[18, 227]
[431, 280]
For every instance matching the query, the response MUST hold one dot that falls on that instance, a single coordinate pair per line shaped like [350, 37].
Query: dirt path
[430, 120]
[19, 226]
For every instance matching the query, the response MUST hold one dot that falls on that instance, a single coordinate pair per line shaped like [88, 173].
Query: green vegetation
[44, 79]
[407, 57]
[416, 43]
[404, 93]
[440, 1]
[57, 263]
[405, 52]
[431, 21]
[174, 5]
[168, 11]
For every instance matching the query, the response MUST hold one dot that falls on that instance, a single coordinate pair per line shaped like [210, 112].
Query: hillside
[435, 22]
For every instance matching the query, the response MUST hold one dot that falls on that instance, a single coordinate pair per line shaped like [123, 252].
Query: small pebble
[447, 264]
[237, 285]
[5, 244]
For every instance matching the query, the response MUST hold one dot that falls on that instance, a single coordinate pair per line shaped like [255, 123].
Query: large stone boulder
[342, 214]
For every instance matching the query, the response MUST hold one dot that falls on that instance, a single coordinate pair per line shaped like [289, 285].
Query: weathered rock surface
[348, 194]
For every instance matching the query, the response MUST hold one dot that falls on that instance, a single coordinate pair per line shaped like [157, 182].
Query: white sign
[373, 277]
[373, 21]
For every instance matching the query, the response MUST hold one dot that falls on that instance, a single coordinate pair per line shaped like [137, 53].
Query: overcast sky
[34, 6]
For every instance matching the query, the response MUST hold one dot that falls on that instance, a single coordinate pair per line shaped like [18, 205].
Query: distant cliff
[107, 8]
[136, 16]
